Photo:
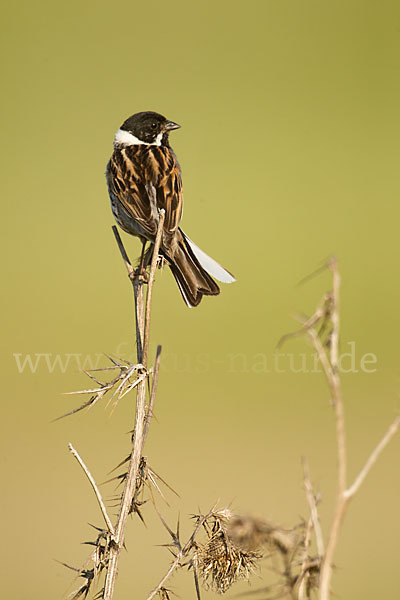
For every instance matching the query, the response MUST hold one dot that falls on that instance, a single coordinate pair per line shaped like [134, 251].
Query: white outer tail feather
[186, 299]
[209, 264]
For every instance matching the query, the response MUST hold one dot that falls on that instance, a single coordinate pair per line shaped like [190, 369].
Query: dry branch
[153, 392]
[142, 329]
[110, 542]
[353, 489]
[95, 489]
[326, 313]
[182, 550]
[312, 502]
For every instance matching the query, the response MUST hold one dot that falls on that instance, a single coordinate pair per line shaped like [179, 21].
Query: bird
[143, 176]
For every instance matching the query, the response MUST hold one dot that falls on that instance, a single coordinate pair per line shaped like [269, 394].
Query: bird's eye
[154, 125]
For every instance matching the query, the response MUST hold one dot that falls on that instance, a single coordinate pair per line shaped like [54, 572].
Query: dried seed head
[219, 562]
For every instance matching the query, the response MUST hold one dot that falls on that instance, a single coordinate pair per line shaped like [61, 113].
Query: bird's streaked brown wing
[126, 182]
[145, 179]
[163, 172]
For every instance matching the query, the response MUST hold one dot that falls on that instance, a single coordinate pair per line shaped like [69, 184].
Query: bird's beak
[170, 125]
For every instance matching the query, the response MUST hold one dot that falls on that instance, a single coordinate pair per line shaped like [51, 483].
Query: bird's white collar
[124, 138]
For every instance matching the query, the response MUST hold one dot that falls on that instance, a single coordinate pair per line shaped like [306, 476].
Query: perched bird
[143, 177]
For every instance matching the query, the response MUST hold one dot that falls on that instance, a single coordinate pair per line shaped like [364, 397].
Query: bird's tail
[194, 271]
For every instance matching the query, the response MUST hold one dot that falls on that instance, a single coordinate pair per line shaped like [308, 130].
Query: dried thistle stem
[330, 365]
[341, 506]
[142, 337]
[182, 550]
[334, 382]
[124, 255]
[153, 391]
[172, 568]
[96, 490]
[146, 327]
[313, 508]
[328, 309]
[373, 457]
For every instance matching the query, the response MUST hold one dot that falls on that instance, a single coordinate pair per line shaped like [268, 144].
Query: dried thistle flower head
[220, 562]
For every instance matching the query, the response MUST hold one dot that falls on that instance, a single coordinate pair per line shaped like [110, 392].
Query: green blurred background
[289, 149]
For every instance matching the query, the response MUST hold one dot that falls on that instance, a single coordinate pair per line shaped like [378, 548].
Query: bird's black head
[145, 128]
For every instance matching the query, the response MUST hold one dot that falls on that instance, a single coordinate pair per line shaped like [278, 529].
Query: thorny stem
[172, 568]
[95, 488]
[313, 508]
[304, 575]
[137, 283]
[334, 382]
[330, 365]
[153, 266]
[124, 255]
[182, 551]
[342, 503]
[153, 391]
[353, 489]
[142, 338]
